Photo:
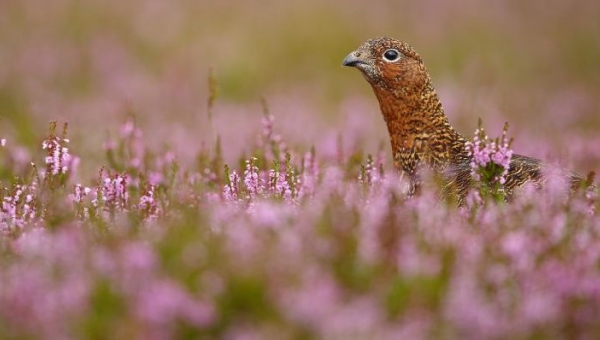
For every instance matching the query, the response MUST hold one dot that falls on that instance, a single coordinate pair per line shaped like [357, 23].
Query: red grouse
[420, 133]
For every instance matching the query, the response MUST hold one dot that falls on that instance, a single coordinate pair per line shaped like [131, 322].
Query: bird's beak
[353, 60]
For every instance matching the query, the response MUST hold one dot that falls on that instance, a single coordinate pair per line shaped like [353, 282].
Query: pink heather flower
[79, 192]
[148, 204]
[3, 141]
[252, 179]
[17, 208]
[485, 152]
[58, 159]
[113, 190]
[231, 192]
[279, 186]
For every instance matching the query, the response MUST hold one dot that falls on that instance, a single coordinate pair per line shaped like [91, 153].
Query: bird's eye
[391, 55]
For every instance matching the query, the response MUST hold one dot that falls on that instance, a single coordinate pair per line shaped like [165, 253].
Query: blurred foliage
[259, 45]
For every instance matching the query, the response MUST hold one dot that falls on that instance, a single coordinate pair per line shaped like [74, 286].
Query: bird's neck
[416, 123]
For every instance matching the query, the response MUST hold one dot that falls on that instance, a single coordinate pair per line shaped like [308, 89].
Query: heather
[149, 192]
[285, 242]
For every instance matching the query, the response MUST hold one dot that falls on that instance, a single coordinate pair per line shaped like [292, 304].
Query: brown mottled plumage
[419, 130]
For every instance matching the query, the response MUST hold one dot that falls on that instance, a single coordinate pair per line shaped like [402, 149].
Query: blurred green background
[533, 63]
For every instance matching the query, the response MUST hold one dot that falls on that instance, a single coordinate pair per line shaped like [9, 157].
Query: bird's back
[523, 170]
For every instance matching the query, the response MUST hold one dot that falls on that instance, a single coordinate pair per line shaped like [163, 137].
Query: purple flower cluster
[231, 192]
[149, 205]
[251, 180]
[490, 158]
[58, 156]
[112, 194]
[18, 208]
[80, 192]
[58, 160]
[260, 184]
[280, 185]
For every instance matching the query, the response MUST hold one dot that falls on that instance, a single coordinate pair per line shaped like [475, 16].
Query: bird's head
[389, 64]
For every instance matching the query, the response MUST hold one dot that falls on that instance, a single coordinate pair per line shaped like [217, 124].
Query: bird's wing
[525, 169]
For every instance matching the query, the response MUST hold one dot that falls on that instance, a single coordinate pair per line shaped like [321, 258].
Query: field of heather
[207, 170]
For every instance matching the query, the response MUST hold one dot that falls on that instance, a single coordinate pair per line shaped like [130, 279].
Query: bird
[420, 134]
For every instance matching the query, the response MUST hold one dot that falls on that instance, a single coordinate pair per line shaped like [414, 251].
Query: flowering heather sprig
[79, 194]
[252, 179]
[282, 181]
[114, 191]
[284, 184]
[278, 185]
[148, 205]
[490, 159]
[58, 160]
[111, 194]
[231, 192]
[18, 208]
